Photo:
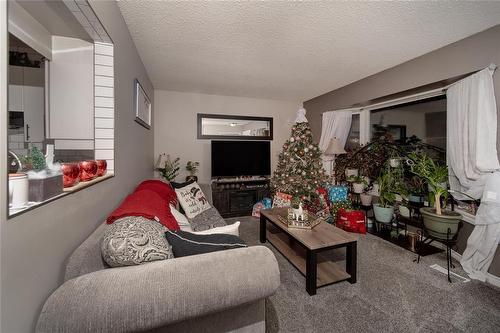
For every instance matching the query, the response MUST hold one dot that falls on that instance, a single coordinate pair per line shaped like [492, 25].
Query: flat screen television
[241, 158]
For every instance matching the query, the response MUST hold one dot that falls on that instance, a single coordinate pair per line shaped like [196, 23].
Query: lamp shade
[334, 147]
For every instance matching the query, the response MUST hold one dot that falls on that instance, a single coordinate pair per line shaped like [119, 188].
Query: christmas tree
[300, 170]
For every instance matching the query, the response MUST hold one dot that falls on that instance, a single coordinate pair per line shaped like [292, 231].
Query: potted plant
[437, 220]
[384, 209]
[402, 191]
[416, 189]
[349, 172]
[358, 183]
[366, 197]
[192, 168]
[169, 169]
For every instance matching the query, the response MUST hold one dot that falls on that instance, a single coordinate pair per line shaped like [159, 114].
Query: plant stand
[449, 242]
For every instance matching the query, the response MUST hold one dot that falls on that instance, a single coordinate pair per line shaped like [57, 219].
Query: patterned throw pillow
[192, 199]
[134, 240]
[208, 219]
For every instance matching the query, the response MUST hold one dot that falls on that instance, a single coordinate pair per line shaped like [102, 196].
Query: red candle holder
[102, 167]
[88, 170]
[71, 174]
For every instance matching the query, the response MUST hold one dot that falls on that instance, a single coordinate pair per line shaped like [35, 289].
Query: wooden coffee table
[303, 249]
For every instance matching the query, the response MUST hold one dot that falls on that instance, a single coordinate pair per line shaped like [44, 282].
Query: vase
[191, 178]
[383, 214]
[404, 211]
[437, 225]
[366, 199]
[88, 170]
[358, 187]
[18, 190]
[102, 167]
[71, 174]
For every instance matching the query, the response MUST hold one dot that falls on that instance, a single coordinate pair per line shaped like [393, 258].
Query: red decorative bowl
[71, 174]
[102, 166]
[88, 170]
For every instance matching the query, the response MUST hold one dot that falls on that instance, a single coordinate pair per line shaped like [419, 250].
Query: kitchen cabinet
[71, 89]
[31, 101]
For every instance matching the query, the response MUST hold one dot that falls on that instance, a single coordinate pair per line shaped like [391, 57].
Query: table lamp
[334, 148]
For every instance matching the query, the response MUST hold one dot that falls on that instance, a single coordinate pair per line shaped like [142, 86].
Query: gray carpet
[393, 294]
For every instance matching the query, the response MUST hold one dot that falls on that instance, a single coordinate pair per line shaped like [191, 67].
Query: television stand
[236, 196]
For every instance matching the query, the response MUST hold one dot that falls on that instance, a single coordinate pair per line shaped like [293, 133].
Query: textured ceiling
[290, 50]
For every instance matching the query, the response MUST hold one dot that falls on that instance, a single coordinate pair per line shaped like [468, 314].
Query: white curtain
[335, 124]
[474, 165]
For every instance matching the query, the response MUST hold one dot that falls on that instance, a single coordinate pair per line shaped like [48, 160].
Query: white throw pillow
[192, 199]
[181, 219]
[231, 229]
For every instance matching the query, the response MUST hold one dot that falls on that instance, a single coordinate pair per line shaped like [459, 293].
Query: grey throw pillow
[207, 220]
[134, 240]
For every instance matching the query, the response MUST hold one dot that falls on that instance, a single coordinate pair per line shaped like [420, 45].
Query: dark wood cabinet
[236, 198]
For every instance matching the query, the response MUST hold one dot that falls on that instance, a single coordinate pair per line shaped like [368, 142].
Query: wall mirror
[214, 126]
[60, 99]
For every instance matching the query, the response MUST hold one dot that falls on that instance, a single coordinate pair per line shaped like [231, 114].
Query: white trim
[490, 278]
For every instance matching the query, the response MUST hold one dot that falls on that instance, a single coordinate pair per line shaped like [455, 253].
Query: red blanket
[148, 204]
[162, 189]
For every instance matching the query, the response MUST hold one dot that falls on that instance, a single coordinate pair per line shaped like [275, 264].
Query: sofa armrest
[156, 294]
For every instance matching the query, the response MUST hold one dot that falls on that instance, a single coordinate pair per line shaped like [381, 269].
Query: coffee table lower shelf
[328, 272]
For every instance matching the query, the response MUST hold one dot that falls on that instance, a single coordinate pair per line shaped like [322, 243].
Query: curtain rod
[492, 67]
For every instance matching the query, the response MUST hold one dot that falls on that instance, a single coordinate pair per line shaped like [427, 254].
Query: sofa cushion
[134, 240]
[208, 219]
[181, 219]
[230, 229]
[191, 198]
[187, 244]
[148, 204]
[161, 188]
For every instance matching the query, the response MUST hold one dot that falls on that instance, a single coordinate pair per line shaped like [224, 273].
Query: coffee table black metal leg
[311, 272]
[262, 228]
[351, 259]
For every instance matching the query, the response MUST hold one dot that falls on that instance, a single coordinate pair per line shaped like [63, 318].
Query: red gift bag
[351, 220]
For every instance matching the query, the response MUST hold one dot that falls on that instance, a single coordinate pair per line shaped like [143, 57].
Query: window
[353, 139]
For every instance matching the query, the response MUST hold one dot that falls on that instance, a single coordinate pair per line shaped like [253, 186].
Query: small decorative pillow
[230, 229]
[181, 219]
[134, 240]
[192, 199]
[208, 219]
[188, 244]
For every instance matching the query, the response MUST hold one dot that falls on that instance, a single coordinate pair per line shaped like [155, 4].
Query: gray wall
[470, 54]
[35, 245]
[176, 127]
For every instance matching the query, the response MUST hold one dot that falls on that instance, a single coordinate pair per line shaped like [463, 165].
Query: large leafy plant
[170, 168]
[436, 176]
[386, 183]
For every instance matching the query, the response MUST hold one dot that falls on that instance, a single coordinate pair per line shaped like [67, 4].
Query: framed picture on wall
[142, 106]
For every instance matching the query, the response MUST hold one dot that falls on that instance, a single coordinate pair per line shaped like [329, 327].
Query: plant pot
[358, 187]
[394, 162]
[375, 189]
[190, 178]
[416, 198]
[398, 197]
[383, 214]
[351, 172]
[437, 225]
[366, 199]
[404, 211]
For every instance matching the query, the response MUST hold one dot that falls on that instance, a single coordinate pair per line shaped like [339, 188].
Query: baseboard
[490, 278]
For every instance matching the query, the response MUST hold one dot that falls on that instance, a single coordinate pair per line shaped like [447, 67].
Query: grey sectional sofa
[215, 292]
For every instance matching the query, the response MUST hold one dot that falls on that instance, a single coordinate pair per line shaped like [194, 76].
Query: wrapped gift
[282, 200]
[337, 193]
[257, 208]
[268, 203]
[351, 220]
[336, 206]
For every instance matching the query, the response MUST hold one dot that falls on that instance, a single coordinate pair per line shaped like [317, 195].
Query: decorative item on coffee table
[192, 168]
[292, 219]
